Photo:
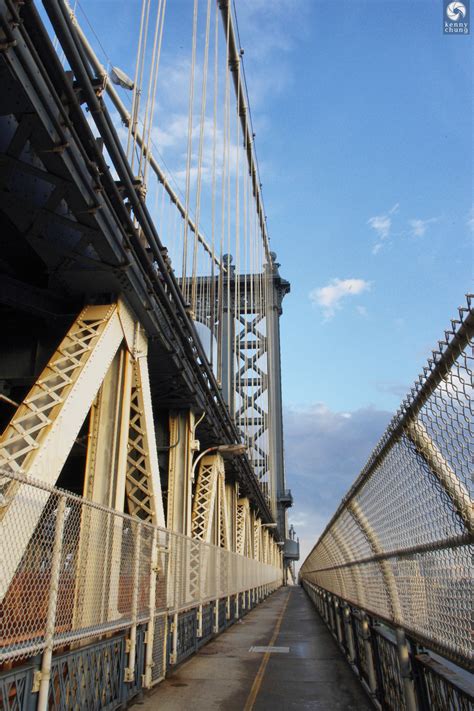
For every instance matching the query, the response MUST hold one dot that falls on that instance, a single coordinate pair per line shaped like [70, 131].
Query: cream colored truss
[205, 495]
[182, 446]
[142, 484]
[266, 546]
[244, 543]
[40, 435]
[210, 520]
[257, 528]
[223, 514]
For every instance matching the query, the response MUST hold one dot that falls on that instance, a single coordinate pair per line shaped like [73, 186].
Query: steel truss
[45, 426]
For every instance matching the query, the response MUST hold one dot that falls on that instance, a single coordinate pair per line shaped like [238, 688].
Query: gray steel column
[227, 334]
[277, 288]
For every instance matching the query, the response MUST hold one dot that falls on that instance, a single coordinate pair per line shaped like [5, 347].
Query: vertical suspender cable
[200, 154]
[212, 295]
[189, 151]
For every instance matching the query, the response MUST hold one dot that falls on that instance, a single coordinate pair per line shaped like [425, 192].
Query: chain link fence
[89, 570]
[400, 544]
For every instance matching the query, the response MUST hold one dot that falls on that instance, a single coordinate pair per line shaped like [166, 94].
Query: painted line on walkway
[263, 664]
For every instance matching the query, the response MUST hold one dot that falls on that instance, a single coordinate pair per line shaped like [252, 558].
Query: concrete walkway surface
[225, 675]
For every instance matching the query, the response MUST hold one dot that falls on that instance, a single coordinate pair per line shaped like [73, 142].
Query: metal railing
[395, 671]
[89, 571]
[399, 546]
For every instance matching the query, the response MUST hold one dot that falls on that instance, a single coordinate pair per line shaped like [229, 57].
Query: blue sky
[363, 118]
[366, 155]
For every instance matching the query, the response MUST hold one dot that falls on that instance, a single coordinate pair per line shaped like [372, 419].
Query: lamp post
[232, 449]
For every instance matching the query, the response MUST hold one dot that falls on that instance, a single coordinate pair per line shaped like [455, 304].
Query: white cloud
[329, 297]
[419, 227]
[382, 224]
[325, 451]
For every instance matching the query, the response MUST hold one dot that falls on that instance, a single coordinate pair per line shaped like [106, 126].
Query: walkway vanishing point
[280, 657]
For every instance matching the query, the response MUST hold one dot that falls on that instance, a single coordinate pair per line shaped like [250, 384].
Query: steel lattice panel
[15, 688]
[89, 678]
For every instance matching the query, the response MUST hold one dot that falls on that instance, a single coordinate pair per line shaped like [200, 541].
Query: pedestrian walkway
[305, 670]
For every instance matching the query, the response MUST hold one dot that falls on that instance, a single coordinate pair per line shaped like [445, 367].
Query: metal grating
[222, 613]
[207, 622]
[15, 687]
[187, 640]
[159, 649]
[88, 678]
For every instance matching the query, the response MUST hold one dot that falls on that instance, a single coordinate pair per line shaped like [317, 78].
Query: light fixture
[232, 449]
[119, 78]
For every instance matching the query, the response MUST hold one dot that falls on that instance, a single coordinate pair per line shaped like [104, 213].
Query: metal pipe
[404, 662]
[52, 606]
[129, 675]
[154, 569]
[437, 463]
[369, 655]
[346, 614]
[455, 542]
[385, 568]
[9, 400]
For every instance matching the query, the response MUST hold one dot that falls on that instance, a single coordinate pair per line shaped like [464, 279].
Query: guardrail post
[368, 653]
[338, 622]
[406, 671]
[150, 633]
[236, 611]
[174, 639]
[329, 612]
[332, 610]
[346, 612]
[199, 622]
[216, 615]
[45, 673]
[132, 641]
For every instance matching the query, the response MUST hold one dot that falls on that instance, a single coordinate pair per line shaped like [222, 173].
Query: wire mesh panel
[159, 649]
[88, 571]
[400, 543]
